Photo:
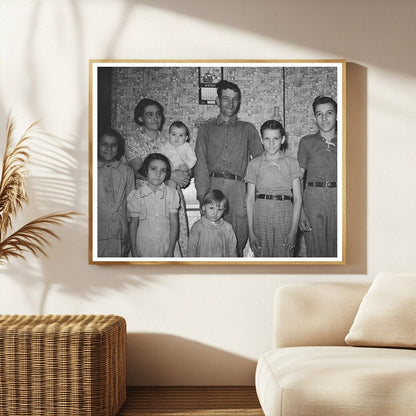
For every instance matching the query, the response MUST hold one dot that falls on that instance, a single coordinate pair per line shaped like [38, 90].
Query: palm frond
[33, 236]
[12, 183]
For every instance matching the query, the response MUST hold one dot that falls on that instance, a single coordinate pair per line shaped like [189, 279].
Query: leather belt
[326, 184]
[229, 176]
[274, 197]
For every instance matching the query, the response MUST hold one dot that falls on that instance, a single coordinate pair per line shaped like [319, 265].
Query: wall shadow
[52, 187]
[356, 168]
[59, 181]
[322, 19]
[168, 360]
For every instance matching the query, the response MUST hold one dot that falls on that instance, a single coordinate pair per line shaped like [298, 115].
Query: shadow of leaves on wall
[52, 184]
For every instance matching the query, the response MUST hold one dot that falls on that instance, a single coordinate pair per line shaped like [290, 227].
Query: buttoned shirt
[224, 147]
[273, 176]
[115, 180]
[318, 157]
[145, 202]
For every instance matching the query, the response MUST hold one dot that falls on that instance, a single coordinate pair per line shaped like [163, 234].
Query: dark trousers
[320, 206]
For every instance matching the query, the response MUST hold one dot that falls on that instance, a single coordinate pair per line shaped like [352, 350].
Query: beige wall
[204, 325]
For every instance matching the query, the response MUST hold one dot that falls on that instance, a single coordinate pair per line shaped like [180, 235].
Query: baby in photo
[177, 149]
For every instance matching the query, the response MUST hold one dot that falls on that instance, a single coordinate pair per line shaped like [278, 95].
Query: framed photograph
[209, 77]
[217, 162]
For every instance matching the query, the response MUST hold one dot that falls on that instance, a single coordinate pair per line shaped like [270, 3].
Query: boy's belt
[322, 184]
[227, 176]
[274, 197]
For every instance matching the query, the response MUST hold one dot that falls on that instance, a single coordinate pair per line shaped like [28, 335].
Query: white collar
[146, 190]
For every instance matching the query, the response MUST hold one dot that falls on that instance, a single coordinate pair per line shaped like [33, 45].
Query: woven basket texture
[54, 365]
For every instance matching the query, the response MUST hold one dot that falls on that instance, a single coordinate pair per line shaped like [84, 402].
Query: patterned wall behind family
[267, 93]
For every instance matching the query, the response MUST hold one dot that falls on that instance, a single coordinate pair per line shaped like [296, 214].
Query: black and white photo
[225, 162]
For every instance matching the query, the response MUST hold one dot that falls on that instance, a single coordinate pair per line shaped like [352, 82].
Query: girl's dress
[209, 239]
[153, 209]
[115, 180]
[140, 145]
[272, 218]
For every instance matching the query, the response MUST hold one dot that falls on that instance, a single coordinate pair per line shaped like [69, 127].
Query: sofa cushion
[304, 381]
[387, 314]
[318, 313]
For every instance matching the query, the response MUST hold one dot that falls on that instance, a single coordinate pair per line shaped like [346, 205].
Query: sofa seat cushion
[341, 381]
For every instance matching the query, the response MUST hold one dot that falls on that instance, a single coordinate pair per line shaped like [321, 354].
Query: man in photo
[317, 156]
[224, 147]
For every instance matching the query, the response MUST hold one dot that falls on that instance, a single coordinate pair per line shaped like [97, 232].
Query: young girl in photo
[273, 181]
[212, 236]
[153, 211]
[149, 117]
[115, 180]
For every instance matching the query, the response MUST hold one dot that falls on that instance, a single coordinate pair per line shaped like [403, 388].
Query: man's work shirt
[318, 158]
[224, 147]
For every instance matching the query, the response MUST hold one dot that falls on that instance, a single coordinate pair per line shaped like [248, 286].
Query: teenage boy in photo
[317, 156]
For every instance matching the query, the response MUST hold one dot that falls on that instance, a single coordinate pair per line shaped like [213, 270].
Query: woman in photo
[149, 117]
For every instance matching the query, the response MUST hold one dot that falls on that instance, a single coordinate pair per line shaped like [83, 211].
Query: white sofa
[311, 371]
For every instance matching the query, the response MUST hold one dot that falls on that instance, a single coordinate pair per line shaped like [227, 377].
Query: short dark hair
[322, 99]
[141, 107]
[275, 125]
[155, 156]
[227, 85]
[181, 125]
[109, 131]
[216, 196]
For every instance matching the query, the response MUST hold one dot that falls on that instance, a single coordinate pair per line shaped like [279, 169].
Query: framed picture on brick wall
[253, 175]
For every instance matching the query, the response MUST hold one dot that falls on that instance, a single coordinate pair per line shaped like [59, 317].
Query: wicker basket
[71, 365]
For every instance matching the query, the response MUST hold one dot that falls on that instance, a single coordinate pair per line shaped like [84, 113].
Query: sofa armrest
[308, 314]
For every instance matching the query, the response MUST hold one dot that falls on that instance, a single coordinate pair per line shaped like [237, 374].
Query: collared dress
[209, 239]
[140, 145]
[153, 208]
[272, 219]
[319, 159]
[115, 180]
